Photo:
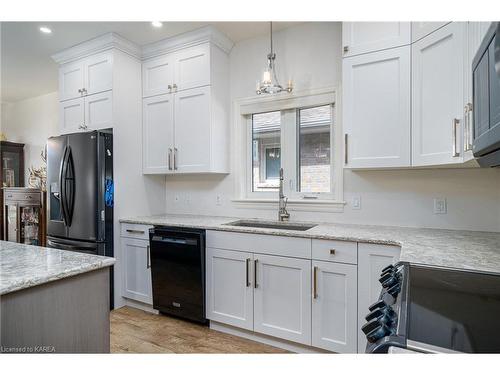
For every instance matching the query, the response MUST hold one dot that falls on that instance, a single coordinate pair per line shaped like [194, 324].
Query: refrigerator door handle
[70, 198]
[62, 197]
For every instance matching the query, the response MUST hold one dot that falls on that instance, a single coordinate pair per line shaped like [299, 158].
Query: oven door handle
[177, 241]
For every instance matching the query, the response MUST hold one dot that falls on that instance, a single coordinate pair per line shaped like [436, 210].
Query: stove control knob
[390, 267]
[389, 280]
[375, 330]
[377, 305]
[385, 315]
[394, 290]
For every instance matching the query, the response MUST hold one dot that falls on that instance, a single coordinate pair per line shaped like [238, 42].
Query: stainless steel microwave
[486, 99]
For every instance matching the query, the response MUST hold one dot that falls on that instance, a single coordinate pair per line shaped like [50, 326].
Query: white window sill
[319, 205]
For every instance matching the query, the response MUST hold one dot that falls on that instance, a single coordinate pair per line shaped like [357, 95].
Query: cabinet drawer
[260, 243]
[32, 198]
[139, 231]
[335, 251]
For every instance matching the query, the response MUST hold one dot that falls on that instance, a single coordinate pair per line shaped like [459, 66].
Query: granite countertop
[449, 248]
[24, 266]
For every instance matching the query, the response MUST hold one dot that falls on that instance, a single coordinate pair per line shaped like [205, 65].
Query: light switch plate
[218, 199]
[356, 202]
[440, 206]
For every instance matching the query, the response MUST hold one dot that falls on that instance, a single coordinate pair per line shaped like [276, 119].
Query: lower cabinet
[229, 287]
[282, 297]
[371, 260]
[136, 270]
[334, 306]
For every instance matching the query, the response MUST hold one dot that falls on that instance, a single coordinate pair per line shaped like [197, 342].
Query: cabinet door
[438, 96]
[71, 115]
[99, 73]
[99, 110]
[71, 80]
[376, 103]
[229, 286]
[421, 29]
[192, 67]
[158, 134]
[282, 297]
[371, 260]
[136, 270]
[334, 307]
[192, 130]
[157, 76]
[363, 37]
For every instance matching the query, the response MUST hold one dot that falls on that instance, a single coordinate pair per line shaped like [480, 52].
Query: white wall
[310, 54]
[31, 122]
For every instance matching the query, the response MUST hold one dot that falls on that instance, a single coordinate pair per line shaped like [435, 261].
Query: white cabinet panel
[158, 134]
[229, 287]
[421, 29]
[71, 115]
[363, 37]
[157, 76]
[376, 102]
[282, 298]
[99, 110]
[99, 73]
[192, 130]
[371, 260]
[136, 270]
[438, 96]
[71, 80]
[192, 67]
[334, 307]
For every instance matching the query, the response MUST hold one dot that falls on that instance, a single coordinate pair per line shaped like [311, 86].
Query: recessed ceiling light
[157, 24]
[45, 30]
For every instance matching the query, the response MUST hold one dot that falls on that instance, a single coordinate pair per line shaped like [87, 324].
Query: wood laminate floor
[137, 331]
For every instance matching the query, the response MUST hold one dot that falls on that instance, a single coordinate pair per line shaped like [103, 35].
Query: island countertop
[24, 266]
[463, 249]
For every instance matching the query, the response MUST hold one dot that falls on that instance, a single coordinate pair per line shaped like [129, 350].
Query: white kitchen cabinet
[438, 80]
[376, 103]
[282, 297]
[422, 29]
[372, 259]
[192, 130]
[99, 110]
[86, 76]
[136, 270]
[71, 115]
[363, 37]
[229, 287]
[158, 134]
[157, 76]
[334, 307]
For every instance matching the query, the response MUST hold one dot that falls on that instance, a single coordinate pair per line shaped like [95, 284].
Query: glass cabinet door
[30, 223]
[11, 166]
[12, 219]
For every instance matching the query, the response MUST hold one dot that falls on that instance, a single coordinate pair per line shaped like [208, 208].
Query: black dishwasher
[178, 271]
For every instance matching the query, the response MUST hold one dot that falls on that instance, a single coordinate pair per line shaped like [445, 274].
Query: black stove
[435, 310]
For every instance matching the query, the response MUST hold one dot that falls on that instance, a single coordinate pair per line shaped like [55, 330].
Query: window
[299, 134]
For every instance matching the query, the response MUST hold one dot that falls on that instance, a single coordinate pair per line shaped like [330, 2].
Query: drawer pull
[332, 251]
[28, 197]
[135, 231]
[315, 282]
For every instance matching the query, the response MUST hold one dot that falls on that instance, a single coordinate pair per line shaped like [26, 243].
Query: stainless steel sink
[271, 225]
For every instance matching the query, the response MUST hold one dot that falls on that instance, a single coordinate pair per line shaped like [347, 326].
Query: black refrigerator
[80, 193]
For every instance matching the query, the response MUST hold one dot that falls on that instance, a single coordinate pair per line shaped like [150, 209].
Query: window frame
[288, 105]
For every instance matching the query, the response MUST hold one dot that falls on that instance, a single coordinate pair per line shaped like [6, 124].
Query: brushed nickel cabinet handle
[255, 285]
[169, 88]
[332, 251]
[345, 149]
[346, 49]
[315, 282]
[175, 158]
[169, 159]
[175, 87]
[148, 257]
[470, 130]
[455, 124]
[136, 231]
[247, 272]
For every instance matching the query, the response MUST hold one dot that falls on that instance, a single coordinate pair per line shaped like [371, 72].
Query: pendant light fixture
[269, 83]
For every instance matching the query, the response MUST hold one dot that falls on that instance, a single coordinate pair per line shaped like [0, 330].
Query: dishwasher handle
[177, 241]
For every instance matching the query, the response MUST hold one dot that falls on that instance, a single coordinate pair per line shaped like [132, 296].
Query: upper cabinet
[422, 29]
[86, 76]
[363, 37]
[186, 105]
[438, 79]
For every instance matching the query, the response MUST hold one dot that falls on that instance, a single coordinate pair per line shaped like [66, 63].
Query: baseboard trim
[140, 305]
[268, 340]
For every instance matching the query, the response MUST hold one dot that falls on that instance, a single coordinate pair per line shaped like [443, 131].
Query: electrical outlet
[218, 200]
[177, 199]
[356, 202]
[440, 205]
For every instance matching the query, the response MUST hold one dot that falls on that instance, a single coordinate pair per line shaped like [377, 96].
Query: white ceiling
[27, 69]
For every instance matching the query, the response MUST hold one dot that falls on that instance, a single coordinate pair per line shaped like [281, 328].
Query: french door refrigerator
[80, 193]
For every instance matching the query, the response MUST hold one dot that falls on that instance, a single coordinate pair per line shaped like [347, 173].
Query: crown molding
[188, 39]
[95, 45]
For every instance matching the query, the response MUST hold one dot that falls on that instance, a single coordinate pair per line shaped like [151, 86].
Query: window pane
[266, 151]
[314, 149]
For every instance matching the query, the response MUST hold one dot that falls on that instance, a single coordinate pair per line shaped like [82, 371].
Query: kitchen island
[53, 300]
